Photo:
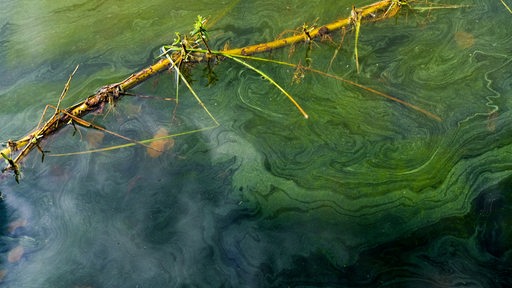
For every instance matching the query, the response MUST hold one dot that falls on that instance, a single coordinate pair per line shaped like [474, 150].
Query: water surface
[366, 193]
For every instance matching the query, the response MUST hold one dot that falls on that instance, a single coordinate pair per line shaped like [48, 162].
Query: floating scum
[187, 50]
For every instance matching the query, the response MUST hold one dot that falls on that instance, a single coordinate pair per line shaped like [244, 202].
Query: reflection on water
[366, 193]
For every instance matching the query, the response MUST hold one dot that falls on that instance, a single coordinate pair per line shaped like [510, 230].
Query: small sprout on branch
[306, 29]
[200, 30]
[177, 40]
[355, 18]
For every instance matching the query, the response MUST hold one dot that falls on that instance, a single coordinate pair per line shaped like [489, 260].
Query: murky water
[366, 193]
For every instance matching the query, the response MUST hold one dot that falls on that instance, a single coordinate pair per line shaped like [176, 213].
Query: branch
[111, 93]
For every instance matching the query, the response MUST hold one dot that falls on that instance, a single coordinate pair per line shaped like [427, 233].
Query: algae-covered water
[367, 192]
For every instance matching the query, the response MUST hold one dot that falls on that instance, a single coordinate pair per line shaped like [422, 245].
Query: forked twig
[66, 88]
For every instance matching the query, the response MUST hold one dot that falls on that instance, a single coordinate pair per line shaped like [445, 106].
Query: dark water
[365, 193]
